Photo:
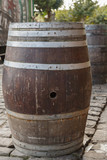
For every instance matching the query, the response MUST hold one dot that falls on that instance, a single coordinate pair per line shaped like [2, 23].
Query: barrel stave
[48, 55]
[38, 101]
[48, 132]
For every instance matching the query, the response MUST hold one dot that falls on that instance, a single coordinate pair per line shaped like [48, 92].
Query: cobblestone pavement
[95, 138]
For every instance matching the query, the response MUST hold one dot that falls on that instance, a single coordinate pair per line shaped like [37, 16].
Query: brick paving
[97, 148]
[95, 138]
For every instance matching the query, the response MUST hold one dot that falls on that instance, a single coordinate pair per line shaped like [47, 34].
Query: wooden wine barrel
[47, 87]
[97, 47]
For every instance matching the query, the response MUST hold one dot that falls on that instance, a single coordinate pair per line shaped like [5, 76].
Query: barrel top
[95, 26]
[43, 25]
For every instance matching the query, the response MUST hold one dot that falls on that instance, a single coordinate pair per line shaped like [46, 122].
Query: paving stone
[100, 90]
[94, 113]
[102, 126]
[1, 114]
[59, 158]
[94, 155]
[3, 117]
[101, 94]
[90, 124]
[87, 158]
[104, 116]
[6, 142]
[5, 151]
[97, 109]
[1, 111]
[6, 125]
[86, 140]
[73, 156]
[93, 118]
[100, 105]
[89, 131]
[5, 132]
[89, 147]
[100, 136]
[2, 106]
[100, 98]
[100, 147]
[10, 158]
[16, 153]
[1, 100]
[42, 158]
[2, 122]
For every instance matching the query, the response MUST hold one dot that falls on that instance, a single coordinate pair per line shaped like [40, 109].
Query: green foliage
[79, 12]
[63, 15]
[82, 9]
[47, 6]
[38, 17]
[99, 16]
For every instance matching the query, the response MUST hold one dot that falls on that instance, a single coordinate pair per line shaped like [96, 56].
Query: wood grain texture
[28, 91]
[45, 93]
[97, 48]
[48, 55]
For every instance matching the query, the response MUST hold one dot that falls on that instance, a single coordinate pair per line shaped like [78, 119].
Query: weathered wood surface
[98, 101]
[97, 47]
[47, 87]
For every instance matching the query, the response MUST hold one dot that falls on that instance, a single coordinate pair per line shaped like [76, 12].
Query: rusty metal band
[49, 153]
[95, 27]
[94, 35]
[97, 46]
[36, 147]
[40, 66]
[47, 117]
[54, 33]
[30, 44]
[46, 25]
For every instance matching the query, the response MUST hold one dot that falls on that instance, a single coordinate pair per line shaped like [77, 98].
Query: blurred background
[91, 12]
[87, 11]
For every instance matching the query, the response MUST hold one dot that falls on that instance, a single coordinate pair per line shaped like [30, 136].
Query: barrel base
[48, 151]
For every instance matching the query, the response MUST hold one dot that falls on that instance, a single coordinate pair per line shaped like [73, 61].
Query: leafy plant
[99, 16]
[64, 15]
[83, 9]
[47, 6]
[80, 11]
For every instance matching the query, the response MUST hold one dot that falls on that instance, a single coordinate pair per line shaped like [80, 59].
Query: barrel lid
[43, 25]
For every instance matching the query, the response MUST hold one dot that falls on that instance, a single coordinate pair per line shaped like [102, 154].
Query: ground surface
[95, 138]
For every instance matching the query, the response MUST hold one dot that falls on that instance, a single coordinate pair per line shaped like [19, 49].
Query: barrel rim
[47, 25]
[21, 147]
[46, 117]
[47, 148]
[44, 66]
[95, 26]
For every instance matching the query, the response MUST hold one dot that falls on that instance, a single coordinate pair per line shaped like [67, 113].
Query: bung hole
[52, 94]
